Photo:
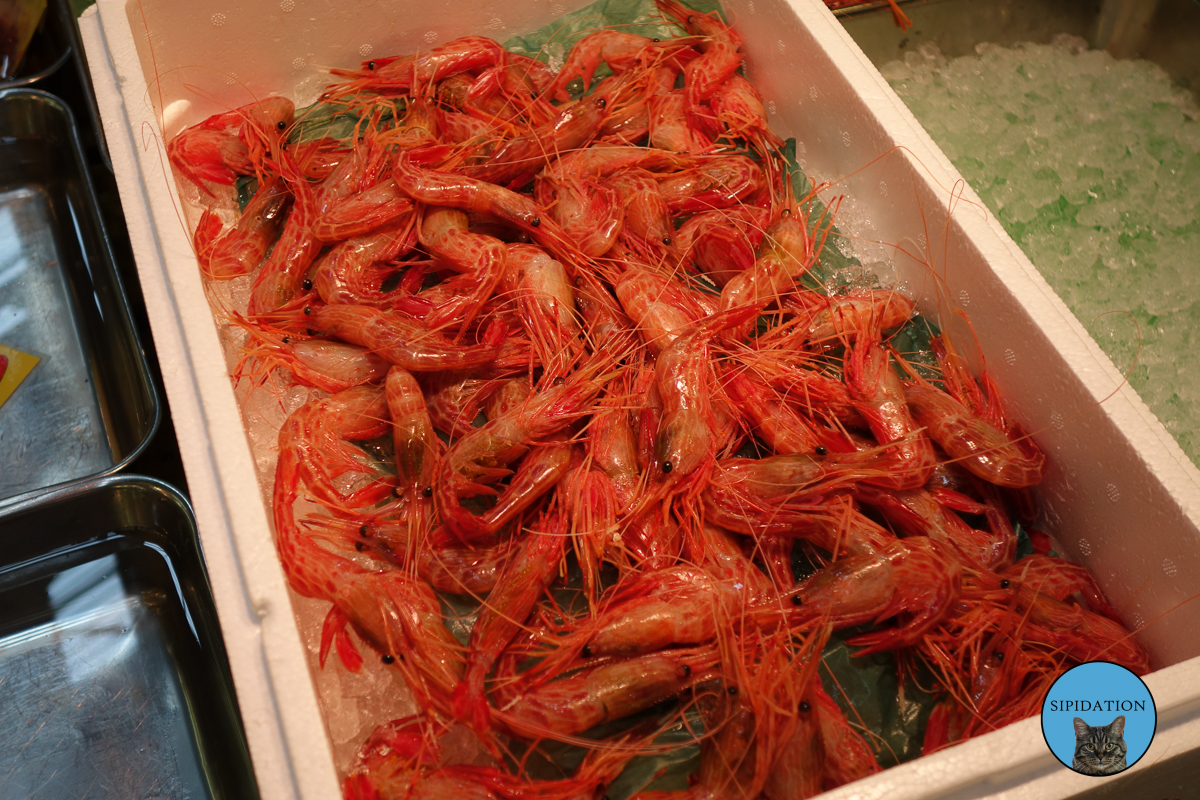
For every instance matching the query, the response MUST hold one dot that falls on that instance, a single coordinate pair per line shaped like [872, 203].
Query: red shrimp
[482, 457]
[454, 569]
[283, 272]
[397, 615]
[740, 115]
[1080, 634]
[618, 50]
[647, 220]
[568, 706]
[779, 426]
[720, 52]
[587, 211]
[916, 578]
[516, 161]
[240, 249]
[524, 579]
[397, 762]
[723, 243]
[918, 512]
[326, 365]
[983, 449]
[354, 271]
[786, 255]
[685, 435]
[658, 305]
[416, 444]
[480, 197]
[454, 400]
[879, 396]
[481, 258]
[402, 341]
[670, 125]
[227, 145]
[839, 319]
[799, 771]
[1060, 579]
[848, 757]
[546, 305]
[362, 213]
[399, 75]
[712, 182]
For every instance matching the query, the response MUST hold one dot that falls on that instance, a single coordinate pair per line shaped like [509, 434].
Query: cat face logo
[1081, 724]
[1099, 749]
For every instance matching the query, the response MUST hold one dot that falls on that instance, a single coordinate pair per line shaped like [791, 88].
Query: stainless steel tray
[49, 48]
[113, 675]
[90, 405]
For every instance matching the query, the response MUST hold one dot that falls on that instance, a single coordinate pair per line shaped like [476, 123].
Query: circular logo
[1098, 718]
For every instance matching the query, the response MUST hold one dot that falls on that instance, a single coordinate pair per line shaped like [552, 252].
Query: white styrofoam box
[1119, 494]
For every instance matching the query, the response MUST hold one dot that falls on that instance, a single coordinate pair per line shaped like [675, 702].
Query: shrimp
[983, 449]
[481, 258]
[397, 615]
[647, 219]
[712, 182]
[546, 305]
[685, 435]
[618, 50]
[227, 145]
[839, 319]
[519, 587]
[283, 272]
[879, 396]
[917, 578]
[482, 456]
[787, 254]
[397, 762]
[398, 75]
[568, 706]
[918, 512]
[516, 161]
[720, 53]
[239, 250]
[722, 244]
[400, 340]
[323, 364]
[779, 426]
[362, 213]
[660, 307]
[354, 270]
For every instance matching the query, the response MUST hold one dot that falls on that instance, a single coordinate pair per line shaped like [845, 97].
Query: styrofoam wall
[1121, 496]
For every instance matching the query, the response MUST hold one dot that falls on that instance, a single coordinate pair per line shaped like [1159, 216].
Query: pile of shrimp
[557, 328]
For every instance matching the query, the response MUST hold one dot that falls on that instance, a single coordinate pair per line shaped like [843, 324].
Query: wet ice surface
[1093, 166]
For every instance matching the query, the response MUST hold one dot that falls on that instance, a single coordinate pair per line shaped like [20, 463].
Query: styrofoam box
[1120, 495]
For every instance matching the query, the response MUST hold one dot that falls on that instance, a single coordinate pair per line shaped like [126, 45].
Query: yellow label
[19, 366]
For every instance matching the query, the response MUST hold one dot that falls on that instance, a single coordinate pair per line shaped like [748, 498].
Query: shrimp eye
[587, 651]
[996, 654]
[308, 311]
[805, 706]
[364, 531]
[307, 284]
[667, 467]
[359, 546]
[370, 65]
[287, 340]
[822, 450]
[1004, 584]
[388, 659]
[787, 212]
[692, 17]
[281, 125]
[559, 381]
[796, 601]
[732, 690]
[536, 221]
[667, 240]
[656, 40]
[601, 102]
[427, 491]
[686, 670]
